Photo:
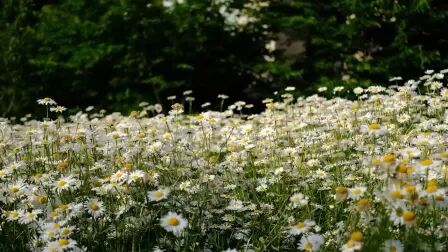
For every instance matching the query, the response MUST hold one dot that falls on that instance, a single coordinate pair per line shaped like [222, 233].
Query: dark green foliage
[115, 54]
[367, 41]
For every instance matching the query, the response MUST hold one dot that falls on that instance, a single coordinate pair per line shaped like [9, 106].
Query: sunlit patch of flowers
[307, 174]
[239, 19]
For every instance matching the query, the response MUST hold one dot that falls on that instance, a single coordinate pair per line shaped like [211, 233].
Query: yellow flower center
[410, 170]
[431, 189]
[128, 166]
[62, 165]
[341, 190]
[61, 183]
[350, 243]
[432, 182]
[63, 242]
[357, 191]
[410, 188]
[445, 170]
[173, 221]
[392, 248]
[423, 202]
[356, 236]
[426, 162]
[440, 198]
[376, 162]
[308, 246]
[396, 194]
[14, 189]
[363, 204]
[408, 216]
[389, 158]
[374, 126]
[444, 154]
[94, 206]
[65, 231]
[402, 167]
[158, 194]
[63, 207]
[300, 224]
[41, 199]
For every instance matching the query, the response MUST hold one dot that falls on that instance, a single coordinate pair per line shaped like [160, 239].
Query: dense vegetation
[306, 174]
[115, 54]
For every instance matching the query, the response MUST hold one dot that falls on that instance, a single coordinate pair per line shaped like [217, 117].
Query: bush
[115, 54]
[355, 43]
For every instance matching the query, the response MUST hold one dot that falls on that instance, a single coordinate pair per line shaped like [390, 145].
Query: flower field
[307, 174]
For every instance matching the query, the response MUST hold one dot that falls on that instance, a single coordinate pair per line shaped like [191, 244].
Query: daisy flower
[443, 173]
[424, 140]
[230, 250]
[356, 192]
[12, 215]
[393, 246]
[135, 176]
[158, 195]
[432, 189]
[354, 243]
[65, 183]
[301, 227]
[58, 109]
[4, 173]
[401, 216]
[320, 174]
[95, 207]
[17, 189]
[157, 249]
[298, 200]
[374, 129]
[173, 222]
[395, 193]
[28, 217]
[62, 244]
[118, 176]
[341, 193]
[441, 200]
[426, 163]
[363, 204]
[46, 101]
[66, 231]
[311, 242]
[235, 205]
[443, 155]
[411, 152]
[389, 159]
[52, 247]
[50, 230]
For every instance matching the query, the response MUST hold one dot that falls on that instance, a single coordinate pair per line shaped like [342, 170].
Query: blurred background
[114, 54]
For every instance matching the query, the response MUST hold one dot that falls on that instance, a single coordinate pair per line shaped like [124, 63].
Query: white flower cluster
[306, 174]
[237, 19]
